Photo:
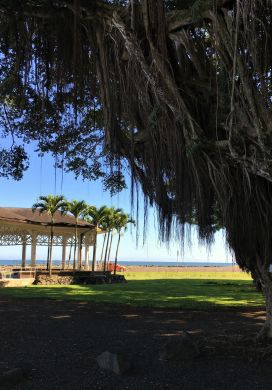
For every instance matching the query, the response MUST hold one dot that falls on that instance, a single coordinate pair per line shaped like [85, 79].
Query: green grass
[189, 291]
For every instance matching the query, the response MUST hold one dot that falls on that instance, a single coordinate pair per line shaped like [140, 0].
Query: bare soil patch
[58, 341]
[148, 268]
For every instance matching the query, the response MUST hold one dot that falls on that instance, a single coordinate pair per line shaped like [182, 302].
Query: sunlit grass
[189, 290]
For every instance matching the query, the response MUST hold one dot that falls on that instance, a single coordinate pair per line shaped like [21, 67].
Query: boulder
[54, 279]
[115, 362]
[180, 348]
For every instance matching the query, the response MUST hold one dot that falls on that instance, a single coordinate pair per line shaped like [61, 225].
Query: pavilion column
[87, 247]
[33, 249]
[63, 258]
[23, 251]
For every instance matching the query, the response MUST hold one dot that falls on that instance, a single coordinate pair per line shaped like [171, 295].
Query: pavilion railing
[18, 273]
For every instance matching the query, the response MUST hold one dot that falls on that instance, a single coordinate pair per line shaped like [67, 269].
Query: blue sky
[40, 180]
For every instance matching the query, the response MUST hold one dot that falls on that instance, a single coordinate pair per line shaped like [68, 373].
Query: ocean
[139, 263]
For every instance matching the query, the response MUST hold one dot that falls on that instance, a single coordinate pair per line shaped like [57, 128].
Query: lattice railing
[10, 236]
[14, 239]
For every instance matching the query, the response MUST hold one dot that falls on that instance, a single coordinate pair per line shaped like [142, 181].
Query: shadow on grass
[193, 294]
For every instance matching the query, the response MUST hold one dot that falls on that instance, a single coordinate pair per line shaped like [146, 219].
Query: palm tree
[77, 209]
[96, 216]
[104, 228]
[110, 242]
[110, 225]
[50, 204]
[121, 221]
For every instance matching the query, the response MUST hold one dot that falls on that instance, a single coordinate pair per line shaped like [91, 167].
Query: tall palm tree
[110, 243]
[50, 204]
[96, 216]
[77, 209]
[121, 221]
[110, 225]
[104, 228]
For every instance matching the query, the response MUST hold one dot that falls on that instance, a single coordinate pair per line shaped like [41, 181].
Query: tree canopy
[178, 90]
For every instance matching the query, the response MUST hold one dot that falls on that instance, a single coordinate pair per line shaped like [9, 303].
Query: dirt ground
[152, 268]
[57, 343]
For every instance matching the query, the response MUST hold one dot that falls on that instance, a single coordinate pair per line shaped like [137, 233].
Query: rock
[14, 376]
[180, 348]
[117, 363]
[54, 279]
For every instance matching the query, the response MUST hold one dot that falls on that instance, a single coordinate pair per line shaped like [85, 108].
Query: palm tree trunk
[109, 252]
[106, 251]
[48, 254]
[80, 251]
[116, 254]
[74, 263]
[51, 247]
[70, 255]
[94, 251]
[103, 246]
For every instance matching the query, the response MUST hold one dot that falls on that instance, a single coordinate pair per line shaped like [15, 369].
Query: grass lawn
[188, 290]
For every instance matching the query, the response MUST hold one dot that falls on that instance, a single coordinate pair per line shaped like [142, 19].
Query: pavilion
[22, 226]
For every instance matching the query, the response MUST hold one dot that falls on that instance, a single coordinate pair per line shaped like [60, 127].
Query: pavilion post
[23, 251]
[87, 246]
[33, 249]
[63, 258]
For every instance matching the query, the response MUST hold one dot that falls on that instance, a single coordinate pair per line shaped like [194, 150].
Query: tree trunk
[51, 248]
[109, 251]
[70, 255]
[266, 283]
[106, 251]
[267, 328]
[74, 263]
[116, 254]
[48, 255]
[102, 252]
[80, 251]
[94, 251]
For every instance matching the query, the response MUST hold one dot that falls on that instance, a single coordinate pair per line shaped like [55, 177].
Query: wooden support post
[63, 259]
[33, 249]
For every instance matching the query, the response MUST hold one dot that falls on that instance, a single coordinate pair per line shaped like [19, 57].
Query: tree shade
[179, 90]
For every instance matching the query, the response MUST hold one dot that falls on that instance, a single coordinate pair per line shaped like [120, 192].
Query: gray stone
[117, 363]
[180, 348]
[54, 279]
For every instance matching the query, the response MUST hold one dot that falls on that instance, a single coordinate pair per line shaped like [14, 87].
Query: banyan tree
[179, 90]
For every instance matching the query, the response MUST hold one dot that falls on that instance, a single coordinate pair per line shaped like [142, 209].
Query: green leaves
[96, 215]
[107, 218]
[13, 162]
[76, 208]
[50, 204]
